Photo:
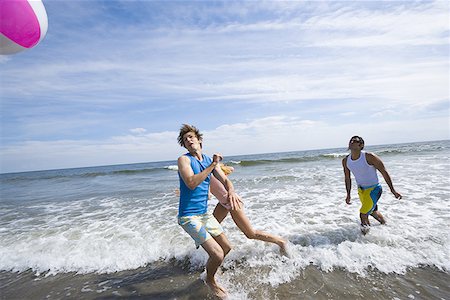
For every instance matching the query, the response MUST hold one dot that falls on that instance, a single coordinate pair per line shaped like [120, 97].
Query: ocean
[111, 232]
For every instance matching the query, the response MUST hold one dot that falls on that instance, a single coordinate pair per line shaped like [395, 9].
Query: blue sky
[113, 81]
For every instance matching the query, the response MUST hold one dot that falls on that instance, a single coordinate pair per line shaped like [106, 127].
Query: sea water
[102, 220]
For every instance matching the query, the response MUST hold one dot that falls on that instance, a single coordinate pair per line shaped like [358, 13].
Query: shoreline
[168, 280]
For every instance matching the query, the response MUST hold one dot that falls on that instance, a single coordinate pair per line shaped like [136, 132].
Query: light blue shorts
[201, 227]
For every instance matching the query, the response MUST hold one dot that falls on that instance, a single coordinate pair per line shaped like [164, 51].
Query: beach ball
[23, 24]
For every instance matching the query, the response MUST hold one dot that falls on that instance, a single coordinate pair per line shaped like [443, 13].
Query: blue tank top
[194, 202]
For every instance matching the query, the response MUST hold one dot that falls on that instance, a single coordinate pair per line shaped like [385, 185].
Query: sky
[113, 81]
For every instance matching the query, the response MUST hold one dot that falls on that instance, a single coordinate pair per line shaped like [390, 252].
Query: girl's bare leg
[243, 223]
[220, 212]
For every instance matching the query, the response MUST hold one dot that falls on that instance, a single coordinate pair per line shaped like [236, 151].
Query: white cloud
[266, 61]
[423, 25]
[348, 114]
[138, 131]
[256, 65]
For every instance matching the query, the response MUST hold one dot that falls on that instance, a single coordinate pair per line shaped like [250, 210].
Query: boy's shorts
[201, 227]
[369, 197]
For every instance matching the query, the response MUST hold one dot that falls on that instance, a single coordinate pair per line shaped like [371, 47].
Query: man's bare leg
[379, 217]
[224, 243]
[216, 256]
[365, 224]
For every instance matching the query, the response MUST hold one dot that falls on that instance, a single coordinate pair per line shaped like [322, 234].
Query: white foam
[172, 167]
[76, 238]
[325, 231]
[336, 155]
[303, 202]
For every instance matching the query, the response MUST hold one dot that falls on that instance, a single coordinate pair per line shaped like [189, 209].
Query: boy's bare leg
[216, 256]
[365, 224]
[379, 217]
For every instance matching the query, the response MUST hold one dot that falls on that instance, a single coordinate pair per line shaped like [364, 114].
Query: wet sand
[174, 281]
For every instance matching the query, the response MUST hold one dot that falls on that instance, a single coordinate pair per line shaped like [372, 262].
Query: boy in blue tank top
[364, 166]
[194, 170]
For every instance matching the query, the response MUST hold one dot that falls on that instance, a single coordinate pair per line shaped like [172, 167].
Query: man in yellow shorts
[364, 166]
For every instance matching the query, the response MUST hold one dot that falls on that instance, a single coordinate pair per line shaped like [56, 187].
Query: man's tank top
[195, 202]
[365, 174]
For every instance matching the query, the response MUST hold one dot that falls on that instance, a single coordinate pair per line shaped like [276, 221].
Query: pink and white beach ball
[23, 24]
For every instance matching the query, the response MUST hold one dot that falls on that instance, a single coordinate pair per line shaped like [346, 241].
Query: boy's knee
[218, 254]
[226, 248]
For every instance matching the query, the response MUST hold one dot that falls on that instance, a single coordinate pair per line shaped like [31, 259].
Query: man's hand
[347, 200]
[217, 157]
[397, 195]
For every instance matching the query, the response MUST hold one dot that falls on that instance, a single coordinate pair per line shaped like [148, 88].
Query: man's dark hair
[185, 128]
[361, 140]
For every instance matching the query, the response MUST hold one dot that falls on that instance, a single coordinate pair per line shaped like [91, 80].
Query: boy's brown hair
[185, 128]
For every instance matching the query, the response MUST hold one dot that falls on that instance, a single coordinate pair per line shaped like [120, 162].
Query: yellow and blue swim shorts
[369, 197]
[201, 227]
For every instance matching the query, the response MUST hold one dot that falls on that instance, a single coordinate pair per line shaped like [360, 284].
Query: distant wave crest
[173, 168]
[30, 176]
[248, 163]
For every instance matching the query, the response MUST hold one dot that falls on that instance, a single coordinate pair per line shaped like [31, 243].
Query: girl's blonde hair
[226, 169]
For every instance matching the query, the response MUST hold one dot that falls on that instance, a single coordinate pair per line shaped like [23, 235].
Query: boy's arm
[348, 180]
[187, 174]
[374, 160]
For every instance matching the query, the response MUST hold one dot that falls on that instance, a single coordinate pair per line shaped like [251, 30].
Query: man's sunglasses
[356, 140]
